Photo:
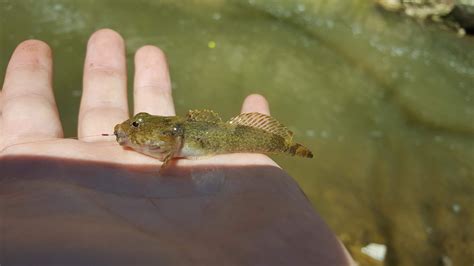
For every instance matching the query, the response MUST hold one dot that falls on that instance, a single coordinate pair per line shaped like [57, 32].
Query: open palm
[31, 121]
[89, 201]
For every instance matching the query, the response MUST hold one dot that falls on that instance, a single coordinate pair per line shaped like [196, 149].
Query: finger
[255, 103]
[152, 86]
[104, 98]
[28, 106]
[1, 104]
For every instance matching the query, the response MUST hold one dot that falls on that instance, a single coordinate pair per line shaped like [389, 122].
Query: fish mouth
[121, 137]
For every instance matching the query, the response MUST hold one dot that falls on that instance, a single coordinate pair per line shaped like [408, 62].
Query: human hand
[90, 198]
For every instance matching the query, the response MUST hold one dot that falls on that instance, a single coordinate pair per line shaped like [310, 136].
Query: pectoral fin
[168, 157]
[166, 160]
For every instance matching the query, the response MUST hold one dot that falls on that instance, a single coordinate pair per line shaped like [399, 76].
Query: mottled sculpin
[203, 133]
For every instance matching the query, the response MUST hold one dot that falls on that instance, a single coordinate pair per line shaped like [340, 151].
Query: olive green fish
[203, 133]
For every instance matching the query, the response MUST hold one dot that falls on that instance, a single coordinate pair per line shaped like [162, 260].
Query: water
[385, 102]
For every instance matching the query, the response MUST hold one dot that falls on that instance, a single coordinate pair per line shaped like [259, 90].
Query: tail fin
[299, 150]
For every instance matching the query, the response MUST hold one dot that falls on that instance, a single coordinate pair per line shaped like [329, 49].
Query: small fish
[202, 133]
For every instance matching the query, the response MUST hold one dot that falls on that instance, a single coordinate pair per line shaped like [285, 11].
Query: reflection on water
[386, 102]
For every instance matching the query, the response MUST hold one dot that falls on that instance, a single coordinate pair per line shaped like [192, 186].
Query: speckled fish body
[203, 133]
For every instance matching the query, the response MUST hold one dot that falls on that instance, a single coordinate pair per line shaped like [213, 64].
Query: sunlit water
[385, 102]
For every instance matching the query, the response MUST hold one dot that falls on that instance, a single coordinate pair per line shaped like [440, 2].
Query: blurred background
[386, 102]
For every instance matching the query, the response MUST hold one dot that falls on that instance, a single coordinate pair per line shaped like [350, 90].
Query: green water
[385, 102]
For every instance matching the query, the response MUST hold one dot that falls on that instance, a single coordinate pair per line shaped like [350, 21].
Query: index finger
[28, 107]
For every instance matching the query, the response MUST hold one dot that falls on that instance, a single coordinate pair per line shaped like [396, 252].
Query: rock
[375, 251]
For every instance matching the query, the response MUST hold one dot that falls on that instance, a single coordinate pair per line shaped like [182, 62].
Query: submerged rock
[456, 14]
[375, 251]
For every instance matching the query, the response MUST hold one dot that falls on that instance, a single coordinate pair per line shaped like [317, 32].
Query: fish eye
[137, 122]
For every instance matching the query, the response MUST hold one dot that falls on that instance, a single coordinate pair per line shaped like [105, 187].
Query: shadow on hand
[57, 211]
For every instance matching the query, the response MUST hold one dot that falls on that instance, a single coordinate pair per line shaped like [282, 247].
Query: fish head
[149, 134]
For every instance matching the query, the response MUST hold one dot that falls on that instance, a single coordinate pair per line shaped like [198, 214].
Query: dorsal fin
[264, 122]
[203, 115]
